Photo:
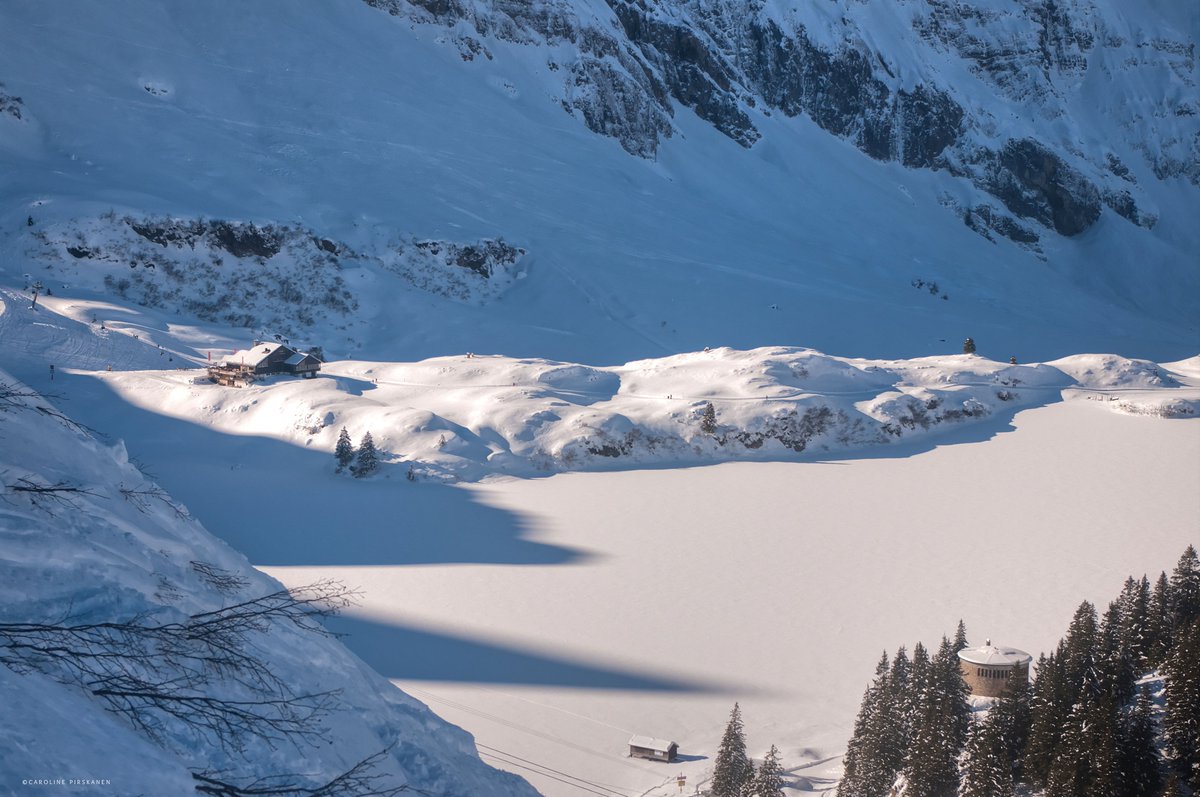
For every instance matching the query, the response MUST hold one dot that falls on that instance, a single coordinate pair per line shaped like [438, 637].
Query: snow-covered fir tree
[960, 637]
[1182, 722]
[986, 765]
[708, 419]
[732, 769]
[1185, 589]
[344, 451]
[1159, 620]
[941, 720]
[1140, 776]
[866, 764]
[367, 461]
[768, 780]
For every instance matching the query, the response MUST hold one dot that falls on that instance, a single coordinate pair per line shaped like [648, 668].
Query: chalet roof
[255, 355]
[989, 654]
[297, 358]
[650, 743]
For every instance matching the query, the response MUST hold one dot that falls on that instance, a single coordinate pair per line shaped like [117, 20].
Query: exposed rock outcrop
[733, 62]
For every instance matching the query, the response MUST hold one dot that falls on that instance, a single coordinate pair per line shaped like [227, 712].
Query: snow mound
[1109, 371]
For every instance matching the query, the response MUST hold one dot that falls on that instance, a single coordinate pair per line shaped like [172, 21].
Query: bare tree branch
[361, 780]
[142, 497]
[13, 398]
[224, 581]
[206, 671]
[44, 496]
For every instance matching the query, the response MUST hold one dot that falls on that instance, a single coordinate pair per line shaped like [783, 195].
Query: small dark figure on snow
[411, 475]
[969, 346]
[1013, 360]
[29, 221]
[51, 372]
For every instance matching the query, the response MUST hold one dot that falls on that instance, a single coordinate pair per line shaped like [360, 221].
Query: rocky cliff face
[924, 82]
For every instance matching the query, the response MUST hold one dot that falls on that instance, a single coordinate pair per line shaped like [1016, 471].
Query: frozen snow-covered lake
[672, 593]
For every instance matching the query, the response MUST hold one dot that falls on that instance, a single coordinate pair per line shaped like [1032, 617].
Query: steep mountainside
[677, 174]
[929, 99]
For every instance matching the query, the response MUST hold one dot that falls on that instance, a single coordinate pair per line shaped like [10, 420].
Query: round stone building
[987, 668]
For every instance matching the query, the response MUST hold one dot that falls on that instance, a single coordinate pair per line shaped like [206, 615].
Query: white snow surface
[96, 557]
[557, 617]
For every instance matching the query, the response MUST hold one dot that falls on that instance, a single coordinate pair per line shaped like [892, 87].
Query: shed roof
[994, 656]
[650, 743]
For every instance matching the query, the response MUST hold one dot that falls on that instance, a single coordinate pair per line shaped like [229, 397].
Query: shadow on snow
[405, 653]
[282, 505]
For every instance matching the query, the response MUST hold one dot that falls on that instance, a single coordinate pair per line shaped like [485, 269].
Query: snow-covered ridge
[110, 546]
[279, 277]
[467, 417]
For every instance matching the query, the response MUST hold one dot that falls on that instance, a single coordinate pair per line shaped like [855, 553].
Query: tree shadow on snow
[406, 653]
[282, 505]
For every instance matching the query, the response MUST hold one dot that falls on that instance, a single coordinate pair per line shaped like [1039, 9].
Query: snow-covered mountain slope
[87, 539]
[376, 132]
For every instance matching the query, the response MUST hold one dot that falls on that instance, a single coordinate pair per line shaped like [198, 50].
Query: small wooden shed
[652, 749]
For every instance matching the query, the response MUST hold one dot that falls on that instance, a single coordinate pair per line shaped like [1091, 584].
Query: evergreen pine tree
[1135, 621]
[986, 764]
[1158, 622]
[960, 637]
[367, 461]
[1114, 662]
[1011, 717]
[938, 730]
[1048, 710]
[1173, 788]
[1181, 673]
[874, 753]
[1138, 758]
[344, 452]
[1086, 763]
[897, 723]
[732, 768]
[918, 673]
[768, 781]
[708, 419]
[1185, 590]
[747, 789]
[858, 764]
[1079, 651]
[969, 346]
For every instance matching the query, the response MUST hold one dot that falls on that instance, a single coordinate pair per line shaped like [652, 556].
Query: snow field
[774, 584]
